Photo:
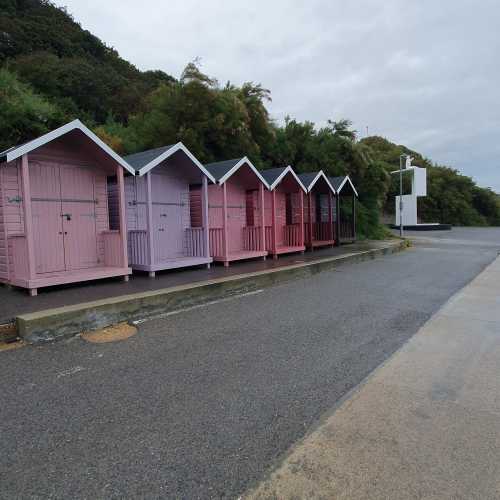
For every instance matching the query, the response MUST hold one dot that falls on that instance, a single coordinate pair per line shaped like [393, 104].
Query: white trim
[234, 169]
[169, 152]
[313, 182]
[17, 152]
[283, 174]
[347, 178]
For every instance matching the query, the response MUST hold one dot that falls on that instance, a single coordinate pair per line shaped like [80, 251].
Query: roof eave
[237, 166]
[15, 153]
[283, 175]
[348, 179]
[169, 152]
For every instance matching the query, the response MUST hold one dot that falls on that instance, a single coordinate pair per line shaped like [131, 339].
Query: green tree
[24, 115]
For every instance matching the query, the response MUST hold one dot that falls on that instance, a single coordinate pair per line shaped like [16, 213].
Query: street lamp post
[401, 194]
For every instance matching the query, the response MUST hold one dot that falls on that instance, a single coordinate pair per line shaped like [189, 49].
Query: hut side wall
[4, 272]
[12, 211]
[215, 200]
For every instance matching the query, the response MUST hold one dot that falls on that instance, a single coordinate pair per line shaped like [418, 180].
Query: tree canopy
[52, 70]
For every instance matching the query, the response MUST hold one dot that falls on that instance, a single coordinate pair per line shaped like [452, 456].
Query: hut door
[161, 219]
[78, 213]
[47, 222]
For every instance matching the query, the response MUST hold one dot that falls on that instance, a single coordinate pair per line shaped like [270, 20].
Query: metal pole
[401, 195]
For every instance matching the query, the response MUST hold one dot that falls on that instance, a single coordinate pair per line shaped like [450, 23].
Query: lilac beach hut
[167, 210]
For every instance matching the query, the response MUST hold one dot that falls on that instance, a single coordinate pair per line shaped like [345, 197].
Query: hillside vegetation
[52, 70]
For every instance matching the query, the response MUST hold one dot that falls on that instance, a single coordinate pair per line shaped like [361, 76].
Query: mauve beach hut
[167, 210]
[235, 208]
[345, 209]
[284, 211]
[54, 222]
[318, 210]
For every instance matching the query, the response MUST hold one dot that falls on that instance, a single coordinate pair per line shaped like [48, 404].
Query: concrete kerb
[53, 324]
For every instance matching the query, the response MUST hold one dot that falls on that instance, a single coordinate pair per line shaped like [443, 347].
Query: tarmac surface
[426, 424]
[201, 404]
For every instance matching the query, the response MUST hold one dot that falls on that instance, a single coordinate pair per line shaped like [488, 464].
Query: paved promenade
[426, 424]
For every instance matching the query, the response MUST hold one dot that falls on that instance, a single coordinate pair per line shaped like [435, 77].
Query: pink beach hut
[167, 210]
[284, 209]
[235, 208]
[54, 222]
[318, 210]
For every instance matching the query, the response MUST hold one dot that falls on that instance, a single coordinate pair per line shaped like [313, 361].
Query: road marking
[186, 309]
[71, 371]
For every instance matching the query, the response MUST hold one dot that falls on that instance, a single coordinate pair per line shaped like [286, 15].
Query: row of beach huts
[73, 210]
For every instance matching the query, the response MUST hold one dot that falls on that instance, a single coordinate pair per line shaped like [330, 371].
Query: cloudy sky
[421, 73]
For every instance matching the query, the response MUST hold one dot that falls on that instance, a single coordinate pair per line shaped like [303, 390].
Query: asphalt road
[202, 404]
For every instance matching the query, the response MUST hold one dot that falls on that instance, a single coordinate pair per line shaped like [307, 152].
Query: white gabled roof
[347, 179]
[316, 178]
[283, 174]
[169, 152]
[18, 151]
[236, 167]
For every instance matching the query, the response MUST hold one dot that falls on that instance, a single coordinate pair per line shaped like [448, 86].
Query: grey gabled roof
[145, 161]
[138, 160]
[307, 178]
[219, 169]
[271, 174]
[274, 176]
[339, 182]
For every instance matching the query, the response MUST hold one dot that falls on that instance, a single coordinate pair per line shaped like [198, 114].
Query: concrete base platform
[435, 226]
[52, 324]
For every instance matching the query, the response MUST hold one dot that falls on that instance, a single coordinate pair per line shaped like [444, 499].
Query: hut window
[289, 209]
[318, 207]
[195, 205]
[113, 203]
[250, 207]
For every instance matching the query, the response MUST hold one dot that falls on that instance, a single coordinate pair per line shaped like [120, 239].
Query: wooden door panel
[79, 217]
[47, 221]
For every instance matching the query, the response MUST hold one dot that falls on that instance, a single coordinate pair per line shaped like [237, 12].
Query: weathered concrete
[52, 324]
[15, 301]
[424, 425]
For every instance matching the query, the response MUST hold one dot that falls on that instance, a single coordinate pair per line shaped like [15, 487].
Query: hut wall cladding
[60, 154]
[50, 155]
[236, 212]
[113, 203]
[323, 200]
[12, 211]
[171, 197]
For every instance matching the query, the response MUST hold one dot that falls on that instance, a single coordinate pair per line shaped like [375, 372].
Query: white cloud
[424, 73]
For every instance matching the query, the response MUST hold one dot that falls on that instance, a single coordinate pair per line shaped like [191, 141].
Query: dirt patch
[8, 332]
[10, 346]
[115, 333]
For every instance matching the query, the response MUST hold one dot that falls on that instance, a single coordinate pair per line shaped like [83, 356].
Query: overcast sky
[425, 74]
